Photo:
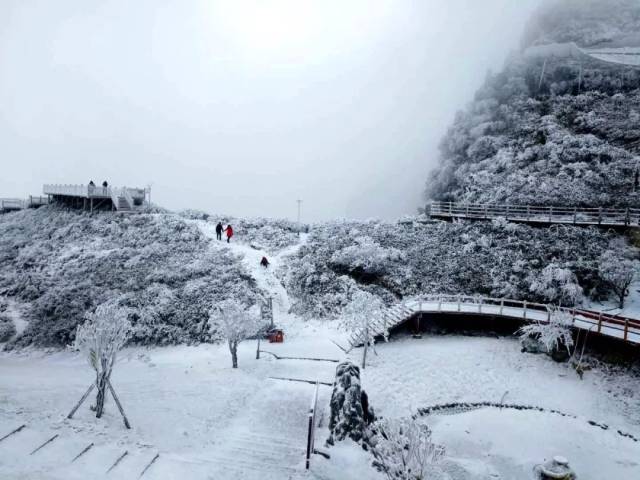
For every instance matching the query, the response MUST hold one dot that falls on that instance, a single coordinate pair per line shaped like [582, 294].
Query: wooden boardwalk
[609, 217]
[622, 328]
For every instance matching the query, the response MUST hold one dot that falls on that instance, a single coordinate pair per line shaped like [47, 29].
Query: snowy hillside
[552, 130]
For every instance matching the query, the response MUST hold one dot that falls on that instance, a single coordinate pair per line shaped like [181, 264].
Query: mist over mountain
[557, 126]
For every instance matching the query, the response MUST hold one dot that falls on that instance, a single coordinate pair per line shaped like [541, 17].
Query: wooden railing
[311, 426]
[623, 328]
[537, 214]
[11, 204]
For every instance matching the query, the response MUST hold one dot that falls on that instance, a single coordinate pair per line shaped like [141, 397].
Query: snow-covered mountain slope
[551, 129]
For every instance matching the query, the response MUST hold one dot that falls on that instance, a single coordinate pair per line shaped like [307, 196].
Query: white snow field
[209, 421]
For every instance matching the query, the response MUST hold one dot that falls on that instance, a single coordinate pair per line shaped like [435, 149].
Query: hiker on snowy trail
[219, 231]
[264, 262]
[229, 231]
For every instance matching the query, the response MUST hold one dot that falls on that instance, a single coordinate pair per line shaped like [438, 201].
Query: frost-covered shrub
[404, 450]
[64, 263]
[360, 315]
[555, 335]
[481, 258]
[558, 286]
[7, 328]
[347, 418]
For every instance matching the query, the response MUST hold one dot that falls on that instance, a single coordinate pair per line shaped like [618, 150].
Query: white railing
[86, 191]
[126, 193]
[531, 213]
[11, 204]
[311, 426]
[624, 328]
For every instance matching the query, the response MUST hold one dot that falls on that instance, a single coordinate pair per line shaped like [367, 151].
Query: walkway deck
[610, 217]
[89, 197]
[14, 204]
[622, 328]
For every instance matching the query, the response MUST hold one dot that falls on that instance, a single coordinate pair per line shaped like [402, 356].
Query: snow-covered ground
[209, 421]
[408, 374]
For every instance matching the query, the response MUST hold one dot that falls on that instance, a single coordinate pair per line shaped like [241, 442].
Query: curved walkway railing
[536, 214]
[623, 328]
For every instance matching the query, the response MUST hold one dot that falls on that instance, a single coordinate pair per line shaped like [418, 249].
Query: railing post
[486, 213]
[450, 210]
[599, 322]
[458, 302]
[525, 309]
[507, 214]
[575, 215]
[528, 212]
[548, 315]
[599, 215]
[550, 214]
[439, 304]
[501, 305]
[627, 218]
[626, 330]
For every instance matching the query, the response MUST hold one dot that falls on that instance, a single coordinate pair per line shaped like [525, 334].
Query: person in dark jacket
[105, 184]
[229, 231]
[264, 262]
[219, 231]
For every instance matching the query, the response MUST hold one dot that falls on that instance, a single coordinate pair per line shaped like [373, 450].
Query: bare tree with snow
[619, 269]
[404, 449]
[234, 323]
[361, 314]
[100, 338]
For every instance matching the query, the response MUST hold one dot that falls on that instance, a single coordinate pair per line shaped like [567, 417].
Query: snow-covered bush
[100, 338]
[555, 335]
[60, 264]
[480, 258]
[557, 286]
[619, 269]
[404, 450]
[7, 328]
[348, 419]
[234, 323]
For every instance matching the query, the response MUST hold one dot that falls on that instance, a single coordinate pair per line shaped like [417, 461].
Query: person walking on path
[264, 262]
[219, 231]
[229, 231]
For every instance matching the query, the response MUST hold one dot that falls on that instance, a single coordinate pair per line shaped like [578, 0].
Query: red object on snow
[229, 231]
[276, 336]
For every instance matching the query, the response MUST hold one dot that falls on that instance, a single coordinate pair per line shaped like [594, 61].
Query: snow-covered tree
[557, 285]
[555, 334]
[100, 338]
[619, 270]
[361, 314]
[235, 323]
[404, 450]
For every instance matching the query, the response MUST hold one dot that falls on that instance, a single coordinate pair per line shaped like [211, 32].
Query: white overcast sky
[242, 107]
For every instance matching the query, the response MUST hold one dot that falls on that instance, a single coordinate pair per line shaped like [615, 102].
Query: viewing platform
[93, 197]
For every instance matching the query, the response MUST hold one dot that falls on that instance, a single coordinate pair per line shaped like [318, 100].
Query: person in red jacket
[229, 231]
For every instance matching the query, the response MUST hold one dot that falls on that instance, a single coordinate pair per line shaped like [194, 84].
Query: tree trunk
[233, 348]
[101, 383]
[621, 301]
[364, 353]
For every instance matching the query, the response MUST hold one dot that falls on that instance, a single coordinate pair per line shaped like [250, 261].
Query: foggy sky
[242, 107]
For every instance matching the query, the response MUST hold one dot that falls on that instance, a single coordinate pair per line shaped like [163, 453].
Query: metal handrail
[311, 426]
